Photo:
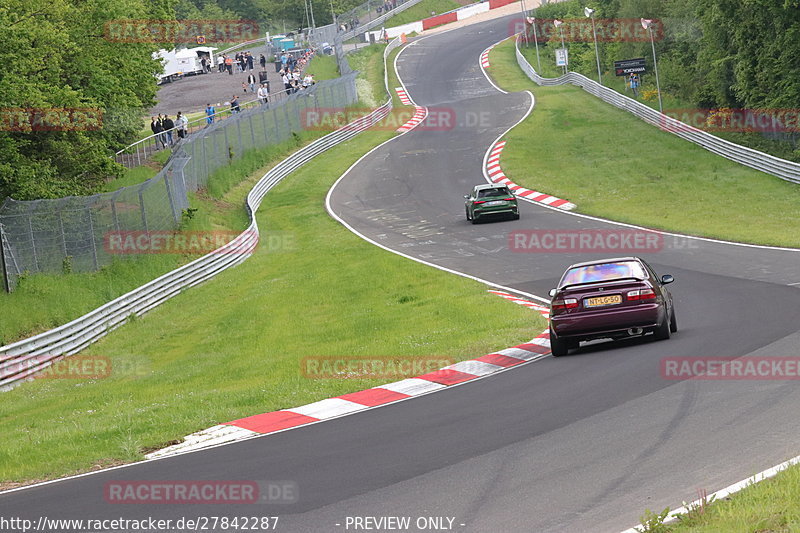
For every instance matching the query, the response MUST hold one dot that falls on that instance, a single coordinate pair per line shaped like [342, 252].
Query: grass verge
[424, 9]
[234, 346]
[323, 67]
[615, 166]
[768, 506]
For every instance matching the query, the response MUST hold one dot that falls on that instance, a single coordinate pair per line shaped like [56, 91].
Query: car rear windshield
[603, 272]
[493, 192]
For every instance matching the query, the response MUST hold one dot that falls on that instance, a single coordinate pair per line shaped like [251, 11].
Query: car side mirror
[666, 278]
[466, 196]
[552, 292]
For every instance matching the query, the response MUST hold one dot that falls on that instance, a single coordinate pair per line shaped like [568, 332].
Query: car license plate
[496, 202]
[604, 300]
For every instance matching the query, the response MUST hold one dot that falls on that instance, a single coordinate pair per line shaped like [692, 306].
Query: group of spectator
[163, 128]
[242, 61]
[294, 81]
[387, 6]
[290, 72]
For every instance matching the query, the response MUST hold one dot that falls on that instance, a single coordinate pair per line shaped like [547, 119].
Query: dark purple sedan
[609, 299]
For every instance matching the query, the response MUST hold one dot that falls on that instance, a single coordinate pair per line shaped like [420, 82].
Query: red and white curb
[485, 57]
[403, 96]
[496, 175]
[262, 424]
[419, 116]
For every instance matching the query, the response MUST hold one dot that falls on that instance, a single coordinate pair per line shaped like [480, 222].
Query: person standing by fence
[210, 112]
[168, 127]
[263, 93]
[182, 123]
[251, 81]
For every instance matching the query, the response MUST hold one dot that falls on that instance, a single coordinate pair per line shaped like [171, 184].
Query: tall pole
[333, 17]
[536, 42]
[590, 13]
[311, 8]
[563, 48]
[646, 24]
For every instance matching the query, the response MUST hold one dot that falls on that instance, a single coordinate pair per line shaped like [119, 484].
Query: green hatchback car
[489, 200]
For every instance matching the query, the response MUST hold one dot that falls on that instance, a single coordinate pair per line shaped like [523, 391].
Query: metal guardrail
[781, 168]
[19, 361]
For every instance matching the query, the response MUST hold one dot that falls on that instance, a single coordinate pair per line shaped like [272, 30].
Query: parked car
[610, 299]
[490, 200]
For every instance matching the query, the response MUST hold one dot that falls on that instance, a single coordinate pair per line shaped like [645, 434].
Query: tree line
[712, 54]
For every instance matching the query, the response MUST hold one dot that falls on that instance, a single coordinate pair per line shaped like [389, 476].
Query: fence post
[33, 240]
[167, 178]
[61, 228]
[92, 237]
[141, 206]
[3, 269]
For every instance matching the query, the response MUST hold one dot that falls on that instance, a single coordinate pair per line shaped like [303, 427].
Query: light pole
[532, 20]
[590, 13]
[524, 32]
[557, 24]
[647, 24]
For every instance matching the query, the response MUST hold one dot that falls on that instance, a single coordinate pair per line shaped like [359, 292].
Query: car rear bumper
[607, 323]
[500, 209]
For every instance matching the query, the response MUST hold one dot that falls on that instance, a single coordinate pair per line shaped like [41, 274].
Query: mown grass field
[613, 165]
[235, 345]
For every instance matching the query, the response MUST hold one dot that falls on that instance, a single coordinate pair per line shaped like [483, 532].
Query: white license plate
[496, 202]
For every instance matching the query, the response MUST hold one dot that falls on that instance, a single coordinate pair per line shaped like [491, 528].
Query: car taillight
[641, 294]
[509, 199]
[478, 202]
[566, 303]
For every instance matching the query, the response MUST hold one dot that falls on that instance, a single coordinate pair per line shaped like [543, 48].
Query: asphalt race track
[579, 443]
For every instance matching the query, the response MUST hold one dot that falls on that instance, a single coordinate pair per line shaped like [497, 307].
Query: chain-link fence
[69, 234]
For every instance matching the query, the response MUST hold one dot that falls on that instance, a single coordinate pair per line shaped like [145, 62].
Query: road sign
[562, 57]
[629, 66]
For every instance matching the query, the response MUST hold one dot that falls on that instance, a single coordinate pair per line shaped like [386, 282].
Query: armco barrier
[21, 360]
[781, 168]
[438, 20]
